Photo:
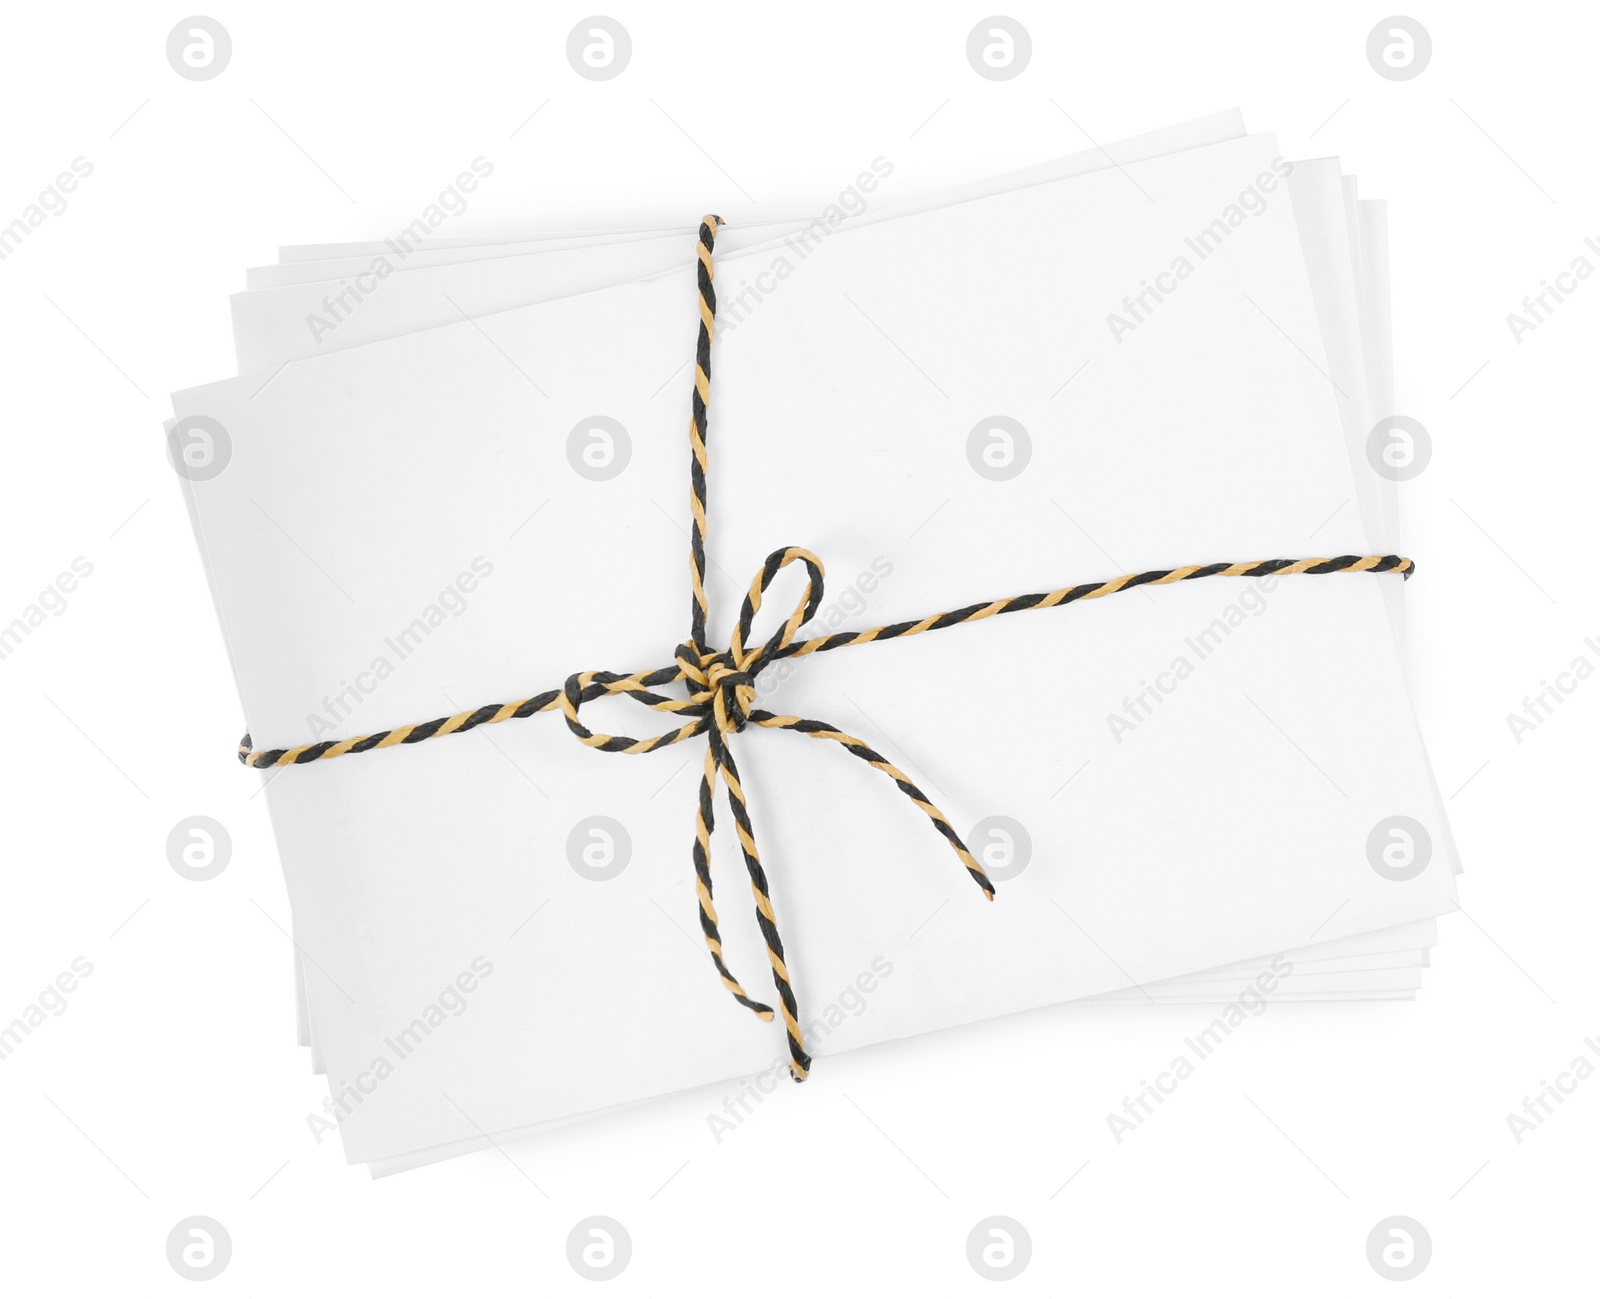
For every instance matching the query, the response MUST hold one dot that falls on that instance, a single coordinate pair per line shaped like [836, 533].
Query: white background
[170, 1086]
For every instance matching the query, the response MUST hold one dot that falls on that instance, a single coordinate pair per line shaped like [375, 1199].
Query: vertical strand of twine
[699, 611]
[722, 764]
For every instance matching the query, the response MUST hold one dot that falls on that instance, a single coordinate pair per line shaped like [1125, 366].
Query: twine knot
[719, 682]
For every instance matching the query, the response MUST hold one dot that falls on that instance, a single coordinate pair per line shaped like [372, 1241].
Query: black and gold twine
[721, 685]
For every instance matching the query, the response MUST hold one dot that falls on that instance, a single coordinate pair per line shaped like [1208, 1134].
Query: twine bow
[721, 689]
[721, 699]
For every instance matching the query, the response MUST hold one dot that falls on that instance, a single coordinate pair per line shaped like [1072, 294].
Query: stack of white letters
[454, 472]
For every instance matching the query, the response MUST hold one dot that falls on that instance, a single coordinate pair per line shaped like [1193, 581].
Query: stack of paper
[453, 472]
